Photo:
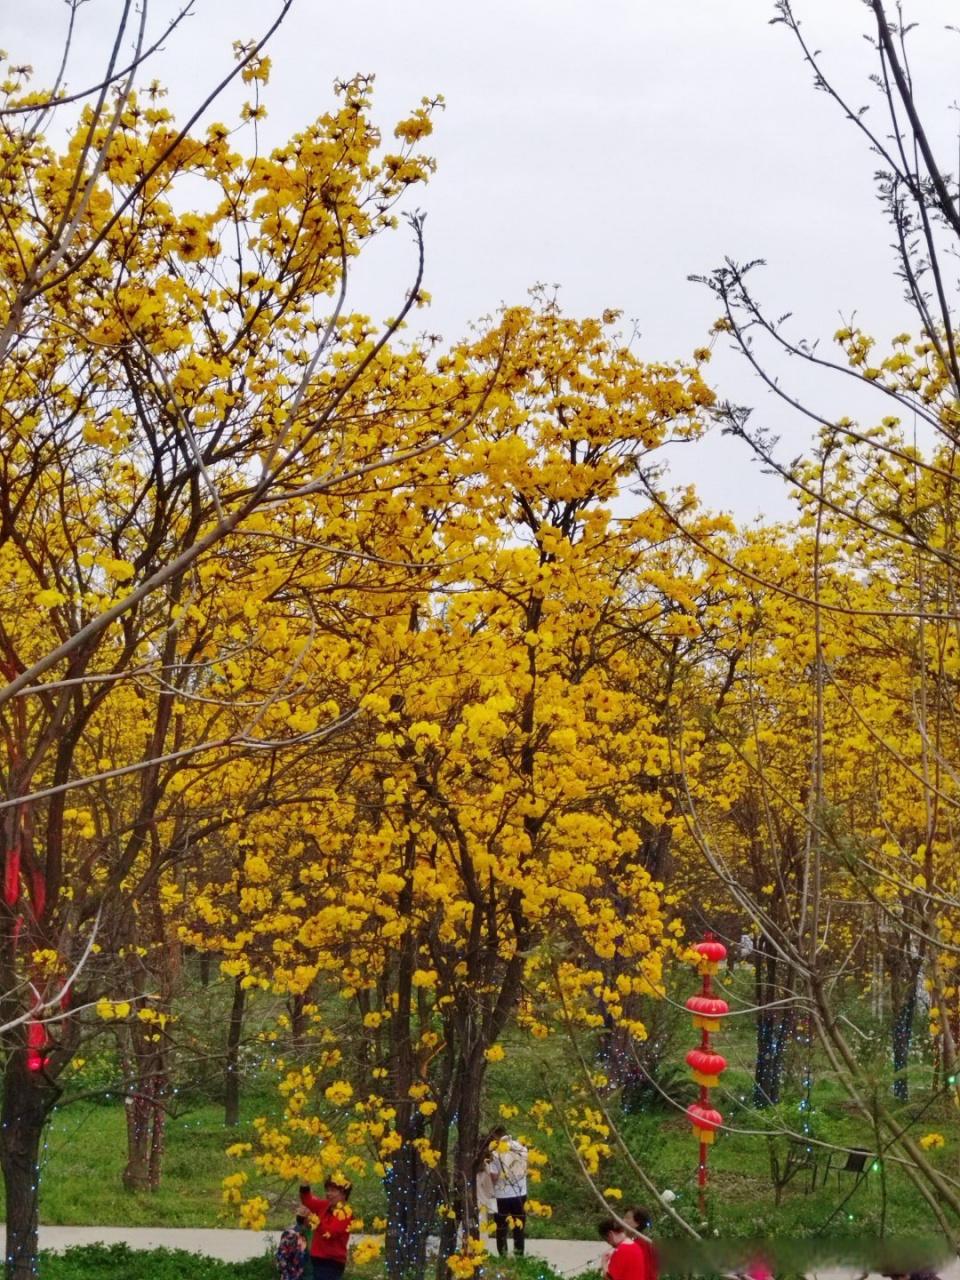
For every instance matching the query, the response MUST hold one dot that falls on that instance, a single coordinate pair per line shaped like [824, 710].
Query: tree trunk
[145, 1071]
[774, 1028]
[446, 1246]
[27, 1099]
[411, 1205]
[469, 1091]
[298, 1021]
[412, 1188]
[146, 1121]
[772, 1034]
[656, 843]
[904, 967]
[231, 1110]
[621, 1059]
[902, 1039]
[158, 1126]
[136, 1173]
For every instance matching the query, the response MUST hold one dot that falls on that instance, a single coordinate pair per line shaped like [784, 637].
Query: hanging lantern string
[706, 1065]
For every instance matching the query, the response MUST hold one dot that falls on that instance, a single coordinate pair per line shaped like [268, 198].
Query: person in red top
[331, 1235]
[629, 1261]
[639, 1221]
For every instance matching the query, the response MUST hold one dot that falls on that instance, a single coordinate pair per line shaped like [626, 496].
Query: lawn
[83, 1155]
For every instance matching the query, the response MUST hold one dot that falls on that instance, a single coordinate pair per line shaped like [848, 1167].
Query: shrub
[120, 1262]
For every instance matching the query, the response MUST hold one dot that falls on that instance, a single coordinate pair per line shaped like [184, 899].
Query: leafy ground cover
[119, 1262]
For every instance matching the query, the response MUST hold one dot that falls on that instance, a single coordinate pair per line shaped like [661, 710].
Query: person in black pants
[511, 1212]
[507, 1165]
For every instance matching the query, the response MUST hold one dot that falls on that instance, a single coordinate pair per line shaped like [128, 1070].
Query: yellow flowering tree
[873, 628]
[181, 387]
[506, 778]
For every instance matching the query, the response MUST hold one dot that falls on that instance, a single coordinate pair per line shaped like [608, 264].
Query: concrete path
[568, 1257]
[229, 1246]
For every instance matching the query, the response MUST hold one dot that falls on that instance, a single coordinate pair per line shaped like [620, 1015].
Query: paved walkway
[568, 1257]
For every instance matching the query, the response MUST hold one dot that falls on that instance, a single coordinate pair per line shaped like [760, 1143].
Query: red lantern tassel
[36, 1039]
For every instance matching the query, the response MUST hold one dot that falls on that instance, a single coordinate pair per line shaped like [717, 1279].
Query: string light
[804, 1039]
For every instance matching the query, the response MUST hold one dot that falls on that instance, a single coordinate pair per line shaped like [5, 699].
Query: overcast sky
[613, 147]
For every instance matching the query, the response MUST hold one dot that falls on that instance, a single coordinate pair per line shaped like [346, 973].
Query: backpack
[513, 1162]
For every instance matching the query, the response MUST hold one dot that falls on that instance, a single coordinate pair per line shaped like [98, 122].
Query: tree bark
[904, 966]
[231, 1109]
[158, 1134]
[146, 1120]
[28, 1097]
[774, 1028]
[411, 1205]
[411, 1187]
[298, 1021]
[467, 1094]
[902, 1040]
[136, 1173]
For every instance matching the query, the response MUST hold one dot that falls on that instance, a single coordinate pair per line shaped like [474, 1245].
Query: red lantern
[706, 1066]
[711, 953]
[707, 1012]
[705, 1120]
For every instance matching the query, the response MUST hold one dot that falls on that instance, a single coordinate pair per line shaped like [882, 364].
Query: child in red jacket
[331, 1235]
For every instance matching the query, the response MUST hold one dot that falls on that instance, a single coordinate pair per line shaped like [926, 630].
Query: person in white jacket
[486, 1200]
[507, 1165]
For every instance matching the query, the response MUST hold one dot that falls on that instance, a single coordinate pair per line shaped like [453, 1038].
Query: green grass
[85, 1150]
[741, 1197]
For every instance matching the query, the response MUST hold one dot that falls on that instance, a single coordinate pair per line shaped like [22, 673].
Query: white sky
[611, 146]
